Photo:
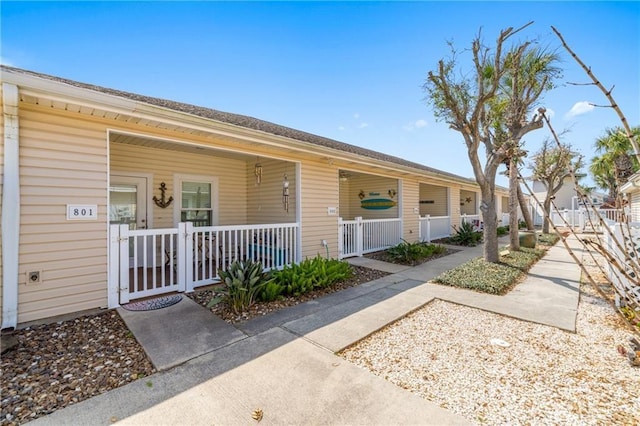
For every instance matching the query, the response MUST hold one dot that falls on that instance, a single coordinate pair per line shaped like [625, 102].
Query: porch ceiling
[152, 142]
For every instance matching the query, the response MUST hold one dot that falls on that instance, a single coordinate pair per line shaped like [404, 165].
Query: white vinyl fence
[434, 227]
[626, 281]
[360, 236]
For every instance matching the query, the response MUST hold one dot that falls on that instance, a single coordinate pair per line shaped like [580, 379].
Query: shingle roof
[244, 121]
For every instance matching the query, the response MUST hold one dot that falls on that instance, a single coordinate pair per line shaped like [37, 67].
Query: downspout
[10, 207]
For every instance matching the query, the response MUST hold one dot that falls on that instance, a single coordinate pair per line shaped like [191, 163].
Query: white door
[128, 204]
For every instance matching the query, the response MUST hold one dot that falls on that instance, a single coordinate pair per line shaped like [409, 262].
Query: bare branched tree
[552, 165]
[491, 107]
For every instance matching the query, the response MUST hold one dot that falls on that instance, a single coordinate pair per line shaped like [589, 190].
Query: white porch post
[123, 263]
[428, 228]
[359, 236]
[185, 263]
[10, 207]
[340, 238]
[114, 267]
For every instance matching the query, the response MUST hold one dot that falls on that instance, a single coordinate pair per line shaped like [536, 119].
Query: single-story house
[631, 190]
[108, 196]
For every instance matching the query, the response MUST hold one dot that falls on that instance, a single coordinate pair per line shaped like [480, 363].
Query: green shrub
[242, 282]
[313, 273]
[271, 291]
[465, 235]
[410, 253]
[502, 231]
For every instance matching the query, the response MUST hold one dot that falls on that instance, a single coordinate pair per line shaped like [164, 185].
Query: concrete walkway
[284, 363]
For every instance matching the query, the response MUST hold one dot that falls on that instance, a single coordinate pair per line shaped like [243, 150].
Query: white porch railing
[148, 262]
[361, 236]
[626, 283]
[216, 247]
[434, 227]
[585, 219]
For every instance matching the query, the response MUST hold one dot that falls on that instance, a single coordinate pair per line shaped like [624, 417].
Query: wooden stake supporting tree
[621, 250]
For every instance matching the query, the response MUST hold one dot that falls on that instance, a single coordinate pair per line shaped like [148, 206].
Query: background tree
[490, 107]
[552, 165]
[524, 205]
[616, 161]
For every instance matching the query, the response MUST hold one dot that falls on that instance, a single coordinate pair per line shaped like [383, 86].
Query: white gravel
[443, 352]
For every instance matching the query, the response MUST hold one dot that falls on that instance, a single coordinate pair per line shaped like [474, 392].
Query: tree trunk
[526, 213]
[546, 205]
[490, 222]
[514, 240]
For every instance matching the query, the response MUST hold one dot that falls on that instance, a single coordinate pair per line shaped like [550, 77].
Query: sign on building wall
[82, 212]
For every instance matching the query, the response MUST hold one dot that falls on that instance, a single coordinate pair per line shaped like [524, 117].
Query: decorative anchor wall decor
[162, 202]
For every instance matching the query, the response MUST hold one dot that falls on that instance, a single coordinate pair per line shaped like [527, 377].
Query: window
[197, 200]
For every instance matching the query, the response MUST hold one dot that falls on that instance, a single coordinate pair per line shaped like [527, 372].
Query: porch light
[285, 193]
[257, 171]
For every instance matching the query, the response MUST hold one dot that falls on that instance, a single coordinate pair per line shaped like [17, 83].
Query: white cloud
[579, 108]
[340, 127]
[418, 124]
[356, 115]
[363, 125]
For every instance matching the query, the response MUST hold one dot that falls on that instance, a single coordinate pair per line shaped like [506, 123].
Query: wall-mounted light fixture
[392, 193]
[257, 171]
[285, 193]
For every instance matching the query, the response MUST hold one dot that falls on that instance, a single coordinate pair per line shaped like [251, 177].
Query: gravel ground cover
[63, 363]
[446, 353]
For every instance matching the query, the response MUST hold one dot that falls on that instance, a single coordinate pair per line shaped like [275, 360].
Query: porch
[148, 262]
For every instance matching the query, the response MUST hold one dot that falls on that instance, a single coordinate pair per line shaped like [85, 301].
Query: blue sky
[350, 71]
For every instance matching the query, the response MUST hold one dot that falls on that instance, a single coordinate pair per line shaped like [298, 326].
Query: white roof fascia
[632, 183]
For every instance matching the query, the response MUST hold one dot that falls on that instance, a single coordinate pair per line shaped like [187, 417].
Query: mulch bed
[384, 256]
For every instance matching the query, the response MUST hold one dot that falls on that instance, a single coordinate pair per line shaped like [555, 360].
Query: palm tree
[616, 161]
[530, 75]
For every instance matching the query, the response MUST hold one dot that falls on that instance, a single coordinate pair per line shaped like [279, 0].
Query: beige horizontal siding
[454, 205]
[410, 191]
[471, 206]
[438, 196]
[164, 165]
[319, 185]
[63, 160]
[264, 201]
[634, 206]
[369, 184]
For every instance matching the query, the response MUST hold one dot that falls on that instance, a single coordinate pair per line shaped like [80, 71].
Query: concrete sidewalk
[284, 363]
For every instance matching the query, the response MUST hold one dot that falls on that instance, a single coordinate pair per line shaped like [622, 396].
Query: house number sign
[82, 212]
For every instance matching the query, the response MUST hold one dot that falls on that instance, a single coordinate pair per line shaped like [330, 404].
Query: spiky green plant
[242, 283]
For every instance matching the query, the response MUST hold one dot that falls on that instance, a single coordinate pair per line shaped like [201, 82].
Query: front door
[128, 205]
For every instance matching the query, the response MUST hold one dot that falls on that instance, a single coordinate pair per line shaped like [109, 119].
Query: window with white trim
[196, 202]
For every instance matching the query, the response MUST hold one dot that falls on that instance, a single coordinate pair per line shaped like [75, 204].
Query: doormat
[153, 304]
